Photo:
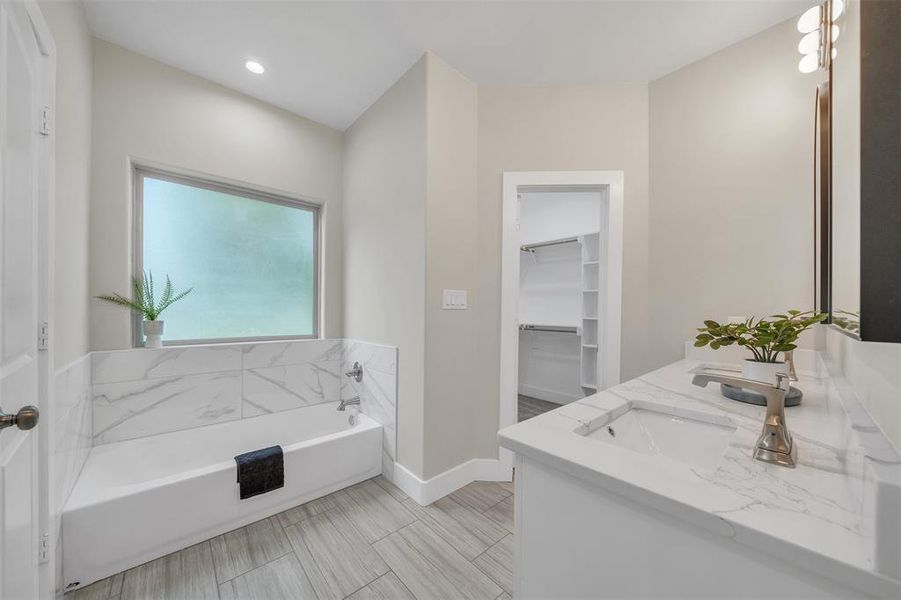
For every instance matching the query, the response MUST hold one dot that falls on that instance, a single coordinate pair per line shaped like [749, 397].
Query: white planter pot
[761, 371]
[153, 331]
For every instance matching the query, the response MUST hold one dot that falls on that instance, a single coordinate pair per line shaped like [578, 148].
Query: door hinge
[44, 548]
[45, 120]
[518, 210]
[43, 336]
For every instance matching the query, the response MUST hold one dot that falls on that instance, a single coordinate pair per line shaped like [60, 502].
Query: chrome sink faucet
[790, 361]
[775, 442]
[355, 401]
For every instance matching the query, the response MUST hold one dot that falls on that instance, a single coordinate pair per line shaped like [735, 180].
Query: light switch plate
[454, 300]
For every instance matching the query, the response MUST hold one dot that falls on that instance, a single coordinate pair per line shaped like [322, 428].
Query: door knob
[25, 419]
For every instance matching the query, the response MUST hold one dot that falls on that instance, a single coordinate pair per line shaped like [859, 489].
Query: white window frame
[139, 172]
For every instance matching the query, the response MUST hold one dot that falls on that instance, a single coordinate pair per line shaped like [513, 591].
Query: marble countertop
[822, 515]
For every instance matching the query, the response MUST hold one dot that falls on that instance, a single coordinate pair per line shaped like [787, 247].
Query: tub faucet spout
[352, 402]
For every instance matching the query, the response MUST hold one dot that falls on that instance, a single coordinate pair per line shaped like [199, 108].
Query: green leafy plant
[145, 301]
[847, 320]
[765, 338]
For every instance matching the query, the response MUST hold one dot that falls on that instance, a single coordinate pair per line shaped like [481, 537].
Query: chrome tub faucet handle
[356, 373]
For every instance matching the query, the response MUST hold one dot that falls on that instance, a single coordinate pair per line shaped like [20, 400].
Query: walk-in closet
[559, 300]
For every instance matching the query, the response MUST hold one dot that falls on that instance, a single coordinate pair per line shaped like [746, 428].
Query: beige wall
[410, 232]
[146, 111]
[451, 234]
[451, 390]
[69, 28]
[558, 128]
[384, 242]
[731, 220]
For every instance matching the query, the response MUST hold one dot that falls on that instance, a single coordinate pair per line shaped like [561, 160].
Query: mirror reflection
[846, 172]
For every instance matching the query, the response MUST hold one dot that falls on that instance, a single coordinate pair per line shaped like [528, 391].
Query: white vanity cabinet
[574, 539]
[614, 520]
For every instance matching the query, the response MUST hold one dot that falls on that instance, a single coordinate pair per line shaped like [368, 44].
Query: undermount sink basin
[686, 436]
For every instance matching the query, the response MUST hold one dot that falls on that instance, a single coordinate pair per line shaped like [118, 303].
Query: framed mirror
[859, 170]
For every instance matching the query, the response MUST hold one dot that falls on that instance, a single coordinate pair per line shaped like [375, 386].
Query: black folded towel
[260, 471]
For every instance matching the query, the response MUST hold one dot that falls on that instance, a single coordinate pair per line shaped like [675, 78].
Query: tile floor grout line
[499, 524]
[401, 581]
[304, 569]
[385, 574]
[437, 566]
[487, 509]
[487, 574]
[362, 586]
[473, 561]
[484, 513]
[338, 507]
[324, 511]
[415, 520]
[494, 505]
[491, 578]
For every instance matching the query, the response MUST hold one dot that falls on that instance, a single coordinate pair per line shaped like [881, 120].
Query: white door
[21, 84]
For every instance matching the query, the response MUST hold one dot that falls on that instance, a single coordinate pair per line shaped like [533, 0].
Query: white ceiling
[329, 61]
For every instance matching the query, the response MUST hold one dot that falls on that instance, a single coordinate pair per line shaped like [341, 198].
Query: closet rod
[549, 328]
[530, 247]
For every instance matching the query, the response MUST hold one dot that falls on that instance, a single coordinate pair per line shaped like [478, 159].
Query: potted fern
[146, 303]
[765, 338]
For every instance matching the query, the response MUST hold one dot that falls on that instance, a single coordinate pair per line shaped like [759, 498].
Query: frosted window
[251, 262]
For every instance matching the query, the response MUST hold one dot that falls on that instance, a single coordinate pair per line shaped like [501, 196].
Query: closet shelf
[565, 287]
[548, 328]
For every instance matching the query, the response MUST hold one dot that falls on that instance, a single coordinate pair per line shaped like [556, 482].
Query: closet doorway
[561, 288]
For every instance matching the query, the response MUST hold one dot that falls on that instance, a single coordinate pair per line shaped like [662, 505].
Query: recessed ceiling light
[255, 67]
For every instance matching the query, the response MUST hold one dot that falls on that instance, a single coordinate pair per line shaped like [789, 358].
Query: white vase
[763, 371]
[153, 331]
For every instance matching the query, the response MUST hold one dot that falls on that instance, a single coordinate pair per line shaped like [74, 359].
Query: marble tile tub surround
[72, 427]
[821, 515]
[144, 392]
[377, 391]
[70, 442]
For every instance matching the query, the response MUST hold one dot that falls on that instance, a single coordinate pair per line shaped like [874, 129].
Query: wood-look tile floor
[367, 542]
[528, 407]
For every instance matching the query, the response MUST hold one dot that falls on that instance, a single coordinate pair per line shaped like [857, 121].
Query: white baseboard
[427, 491]
[546, 394]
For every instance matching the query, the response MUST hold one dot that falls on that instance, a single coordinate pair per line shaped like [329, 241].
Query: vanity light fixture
[816, 46]
[810, 43]
[809, 63]
[810, 20]
[255, 67]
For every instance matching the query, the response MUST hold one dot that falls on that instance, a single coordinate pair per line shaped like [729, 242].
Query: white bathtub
[140, 499]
